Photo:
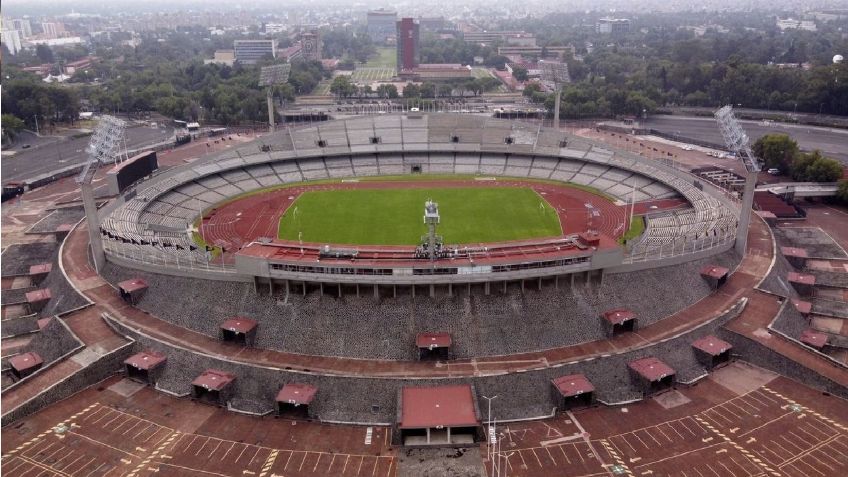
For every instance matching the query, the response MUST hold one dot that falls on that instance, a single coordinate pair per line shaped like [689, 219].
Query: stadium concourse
[694, 371]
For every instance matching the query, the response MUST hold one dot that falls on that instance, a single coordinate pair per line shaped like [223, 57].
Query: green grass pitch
[396, 216]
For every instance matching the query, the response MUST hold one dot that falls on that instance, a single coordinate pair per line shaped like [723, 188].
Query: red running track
[241, 221]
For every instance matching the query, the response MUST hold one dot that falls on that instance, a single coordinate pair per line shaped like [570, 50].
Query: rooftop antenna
[737, 141]
[103, 147]
[557, 73]
[270, 76]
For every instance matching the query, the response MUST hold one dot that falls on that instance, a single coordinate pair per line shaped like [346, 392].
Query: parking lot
[780, 428]
[151, 434]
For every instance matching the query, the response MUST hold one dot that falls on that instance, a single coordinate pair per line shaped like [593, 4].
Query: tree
[842, 192]
[813, 167]
[777, 151]
[411, 90]
[530, 89]
[387, 91]
[12, 125]
[519, 73]
[342, 86]
[44, 53]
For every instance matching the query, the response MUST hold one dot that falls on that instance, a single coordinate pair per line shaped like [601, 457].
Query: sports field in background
[395, 216]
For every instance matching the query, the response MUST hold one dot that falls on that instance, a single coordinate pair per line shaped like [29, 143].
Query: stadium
[400, 270]
[317, 236]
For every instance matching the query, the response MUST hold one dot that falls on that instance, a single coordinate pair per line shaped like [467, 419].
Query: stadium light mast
[557, 73]
[737, 141]
[270, 76]
[103, 147]
[431, 219]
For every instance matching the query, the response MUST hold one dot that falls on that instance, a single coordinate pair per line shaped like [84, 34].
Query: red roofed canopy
[651, 368]
[711, 345]
[814, 338]
[214, 380]
[40, 268]
[618, 316]
[146, 360]
[573, 385]
[297, 394]
[433, 406]
[714, 271]
[24, 361]
[433, 340]
[239, 324]
[132, 285]
[803, 278]
[38, 295]
[793, 252]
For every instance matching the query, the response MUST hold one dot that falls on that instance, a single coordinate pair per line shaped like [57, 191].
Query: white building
[12, 40]
[23, 26]
[251, 51]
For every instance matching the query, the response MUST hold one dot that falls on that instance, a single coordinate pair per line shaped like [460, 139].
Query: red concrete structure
[619, 321]
[715, 275]
[407, 44]
[814, 338]
[132, 290]
[213, 387]
[590, 239]
[712, 351]
[37, 273]
[651, 375]
[433, 345]
[294, 399]
[803, 283]
[145, 366]
[36, 299]
[239, 330]
[24, 364]
[572, 391]
[797, 257]
[437, 415]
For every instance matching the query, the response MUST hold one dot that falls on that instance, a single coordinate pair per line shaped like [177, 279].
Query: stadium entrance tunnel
[574, 391]
[437, 416]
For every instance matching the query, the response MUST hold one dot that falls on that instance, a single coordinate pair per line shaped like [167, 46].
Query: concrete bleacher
[175, 199]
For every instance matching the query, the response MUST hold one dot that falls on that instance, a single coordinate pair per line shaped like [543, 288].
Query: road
[49, 154]
[832, 142]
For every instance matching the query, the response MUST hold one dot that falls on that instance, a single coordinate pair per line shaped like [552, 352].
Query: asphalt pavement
[49, 154]
[831, 142]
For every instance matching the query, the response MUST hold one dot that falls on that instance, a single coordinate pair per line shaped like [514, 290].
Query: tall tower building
[407, 44]
[311, 45]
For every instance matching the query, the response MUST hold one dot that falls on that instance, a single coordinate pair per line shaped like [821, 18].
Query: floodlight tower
[737, 141]
[557, 73]
[431, 219]
[270, 76]
[104, 146]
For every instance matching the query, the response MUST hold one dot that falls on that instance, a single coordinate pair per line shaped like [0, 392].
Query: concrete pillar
[449, 435]
[450, 289]
[271, 286]
[340, 290]
[394, 291]
[321, 285]
[556, 282]
[413, 296]
[745, 213]
[522, 286]
[572, 280]
[432, 290]
[504, 287]
[357, 290]
[376, 291]
[540, 283]
[487, 288]
[270, 101]
[287, 288]
[428, 435]
[92, 218]
[304, 287]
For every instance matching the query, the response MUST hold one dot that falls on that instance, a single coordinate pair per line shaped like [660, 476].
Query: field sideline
[395, 216]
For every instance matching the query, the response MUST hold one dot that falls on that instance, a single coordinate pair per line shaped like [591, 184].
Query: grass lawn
[386, 57]
[637, 227]
[395, 216]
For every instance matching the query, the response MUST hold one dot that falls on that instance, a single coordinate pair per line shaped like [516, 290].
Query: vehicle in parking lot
[774, 172]
[26, 146]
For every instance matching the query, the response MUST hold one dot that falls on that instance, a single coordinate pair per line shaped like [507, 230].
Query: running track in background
[243, 220]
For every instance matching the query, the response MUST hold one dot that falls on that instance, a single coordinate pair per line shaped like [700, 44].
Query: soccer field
[395, 216]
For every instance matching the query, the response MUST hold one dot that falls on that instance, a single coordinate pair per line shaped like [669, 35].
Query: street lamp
[489, 422]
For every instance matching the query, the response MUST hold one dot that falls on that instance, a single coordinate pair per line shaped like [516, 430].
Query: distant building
[431, 23]
[12, 41]
[436, 72]
[294, 52]
[274, 28]
[222, 57]
[311, 45]
[53, 29]
[536, 51]
[612, 26]
[381, 24]
[790, 24]
[516, 38]
[23, 26]
[407, 44]
[74, 66]
[251, 51]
